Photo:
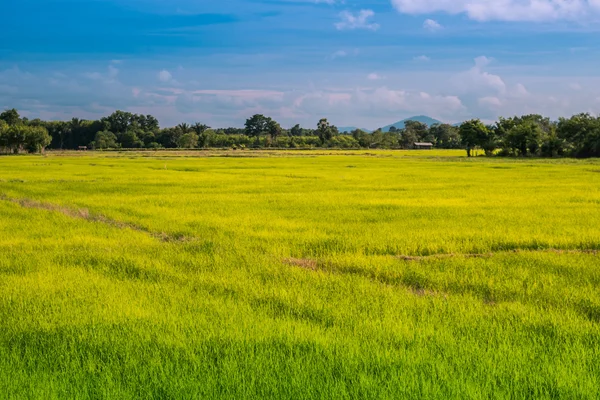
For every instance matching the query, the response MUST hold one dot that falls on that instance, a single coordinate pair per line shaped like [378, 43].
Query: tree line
[529, 135]
[16, 136]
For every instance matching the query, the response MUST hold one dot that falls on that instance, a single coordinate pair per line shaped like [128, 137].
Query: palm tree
[199, 128]
[183, 127]
[75, 123]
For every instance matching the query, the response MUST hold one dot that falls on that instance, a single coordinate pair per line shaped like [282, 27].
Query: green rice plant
[298, 274]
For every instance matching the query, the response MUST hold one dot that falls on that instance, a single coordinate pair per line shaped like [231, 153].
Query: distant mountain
[420, 118]
[352, 128]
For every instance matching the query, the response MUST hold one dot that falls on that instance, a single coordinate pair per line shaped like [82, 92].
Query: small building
[82, 148]
[424, 146]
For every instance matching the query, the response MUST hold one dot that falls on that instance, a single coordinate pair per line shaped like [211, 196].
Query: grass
[299, 274]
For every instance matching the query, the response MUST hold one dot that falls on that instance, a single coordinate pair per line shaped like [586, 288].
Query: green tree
[274, 129]
[296, 131]
[343, 142]
[184, 128]
[199, 128]
[581, 134]
[59, 130]
[188, 141]
[11, 117]
[105, 140]
[207, 138]
[472, 134]
[76, 123]
[148, 123]
[130, 140]
[523, 135]
[524, 138]
[16, 136]
[3, 134]
[36, 139]
[148, 138]
[408, 138]
[417, 130]
[489, 141]
[257, 125]
[119, 121]
[553, 146]
[446, 136]
[362, 138]
[381, 139]
[325, 131]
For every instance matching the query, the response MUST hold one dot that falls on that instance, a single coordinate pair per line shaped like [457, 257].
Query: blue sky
[361, 63]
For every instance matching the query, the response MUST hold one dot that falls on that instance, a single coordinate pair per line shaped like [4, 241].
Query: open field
[323, 274]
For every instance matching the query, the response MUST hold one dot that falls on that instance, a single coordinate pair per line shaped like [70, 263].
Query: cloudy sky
[357, 62]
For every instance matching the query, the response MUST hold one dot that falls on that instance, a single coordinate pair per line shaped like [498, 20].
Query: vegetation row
[528, 135]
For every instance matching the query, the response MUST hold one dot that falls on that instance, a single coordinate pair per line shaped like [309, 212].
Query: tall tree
[582, 134]
[11, 117]
[416, 129]
[105, 140]
[199, 128]
[3, 134]
[446, 136]
[60, 132]
[184, 128]
[16, 137]
[296, 130]
[362, 137]
[472, 134]
[524, 138]
[257, 125]
[130, 139]
[408, 138]
[148, 123]
[553, 146]
[36, 139]
[188, 141]
[119, 121]
[325, 131]
[207, 138]
[274, 129]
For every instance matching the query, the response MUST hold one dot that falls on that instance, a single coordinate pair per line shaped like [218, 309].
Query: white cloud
[374, 77]
[575, 86]
[243, 94]
[382, 103]
[489, 96]
[339, 54]
[504, 10]
[490, 101]
[112, 71]
[520, 91]
[96, 76]
[165, 76]
[359, 21]
[485, 89]
[477, 80]
[422, 58]
[108, 77]
[482, 61]
[432, 25]
[63, 95]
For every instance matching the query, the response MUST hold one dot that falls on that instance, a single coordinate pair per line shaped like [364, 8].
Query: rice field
[299, 275]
